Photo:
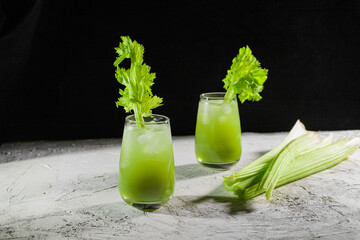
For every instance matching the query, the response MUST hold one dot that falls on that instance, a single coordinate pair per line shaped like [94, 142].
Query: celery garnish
[137, 95]
[300, 158]
[245, 77]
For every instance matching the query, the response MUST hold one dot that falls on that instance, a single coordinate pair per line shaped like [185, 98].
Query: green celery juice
[146, 168]
[218, 132]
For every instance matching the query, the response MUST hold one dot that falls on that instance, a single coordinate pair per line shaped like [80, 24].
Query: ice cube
[226, 108]
[145, 137]
[222, 119]
[152, 147]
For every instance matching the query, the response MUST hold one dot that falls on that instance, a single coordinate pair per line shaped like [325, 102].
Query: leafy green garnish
[137, 95]
[245, 77]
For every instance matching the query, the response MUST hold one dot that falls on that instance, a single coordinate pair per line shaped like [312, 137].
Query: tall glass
[218, 131]
[146, 168]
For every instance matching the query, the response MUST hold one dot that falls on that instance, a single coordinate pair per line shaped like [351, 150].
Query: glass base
[146, 206]
[218, 166]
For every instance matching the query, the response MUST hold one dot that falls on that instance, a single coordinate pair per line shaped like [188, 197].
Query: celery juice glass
[218, 131]
[146, 167]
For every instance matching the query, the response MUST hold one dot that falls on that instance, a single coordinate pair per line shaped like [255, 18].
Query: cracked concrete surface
[68, 190]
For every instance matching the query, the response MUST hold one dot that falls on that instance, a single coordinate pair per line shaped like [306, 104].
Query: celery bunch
[299, 155]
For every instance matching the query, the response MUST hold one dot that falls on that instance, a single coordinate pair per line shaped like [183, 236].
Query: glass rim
[213, 96]
[164, 119]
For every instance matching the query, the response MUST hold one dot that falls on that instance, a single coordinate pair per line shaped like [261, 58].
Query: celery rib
[300, 155]
[262, 163]
[274, 172]
[321, 159]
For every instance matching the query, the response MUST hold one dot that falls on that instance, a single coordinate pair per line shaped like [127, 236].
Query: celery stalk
[244, 183]
[276, 167]
[262, 163]
[299, 155]
[309, 163]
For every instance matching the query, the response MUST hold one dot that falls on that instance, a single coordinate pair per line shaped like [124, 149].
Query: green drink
[218, 132]
[146, 168]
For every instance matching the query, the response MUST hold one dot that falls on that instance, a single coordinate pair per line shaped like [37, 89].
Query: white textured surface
[73, 194]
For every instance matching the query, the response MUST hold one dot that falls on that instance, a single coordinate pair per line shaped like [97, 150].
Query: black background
[57, 78]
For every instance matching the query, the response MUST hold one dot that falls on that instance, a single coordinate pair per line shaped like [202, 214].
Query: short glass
[146, 167]
[218, 131]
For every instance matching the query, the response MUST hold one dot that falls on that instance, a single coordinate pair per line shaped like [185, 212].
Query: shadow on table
[192, 171]
[260, 153]
[232, 203]
[216, 204]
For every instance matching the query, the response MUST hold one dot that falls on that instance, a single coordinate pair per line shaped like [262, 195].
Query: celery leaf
[245, 77]
[137, 95]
